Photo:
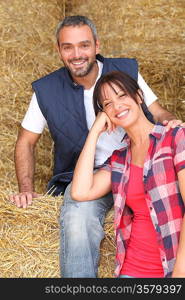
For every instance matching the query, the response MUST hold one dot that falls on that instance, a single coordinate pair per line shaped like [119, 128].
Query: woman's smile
[122, 114]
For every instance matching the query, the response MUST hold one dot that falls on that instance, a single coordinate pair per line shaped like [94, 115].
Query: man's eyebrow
[81, 42]
[86, 41]
[65, 44]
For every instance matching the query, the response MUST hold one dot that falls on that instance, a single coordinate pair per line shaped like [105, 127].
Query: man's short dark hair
[76, 21]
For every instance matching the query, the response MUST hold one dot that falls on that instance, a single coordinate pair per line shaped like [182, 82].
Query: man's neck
[89, 80]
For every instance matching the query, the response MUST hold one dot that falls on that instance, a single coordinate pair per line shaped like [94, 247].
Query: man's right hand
[24, 199]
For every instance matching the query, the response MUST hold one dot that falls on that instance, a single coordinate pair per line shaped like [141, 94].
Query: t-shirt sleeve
[149, 96]
[179, 149]
[34, 120]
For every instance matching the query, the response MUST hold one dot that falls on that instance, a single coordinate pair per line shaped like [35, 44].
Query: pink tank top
[142, 255]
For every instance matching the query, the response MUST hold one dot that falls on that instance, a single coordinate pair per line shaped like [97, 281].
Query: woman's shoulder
[178, 132]
[174, 137]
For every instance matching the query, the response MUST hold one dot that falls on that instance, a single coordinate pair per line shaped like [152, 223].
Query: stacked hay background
[151, 31]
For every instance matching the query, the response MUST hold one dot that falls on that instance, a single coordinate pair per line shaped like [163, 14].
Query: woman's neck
[139, 132]
[139, 135]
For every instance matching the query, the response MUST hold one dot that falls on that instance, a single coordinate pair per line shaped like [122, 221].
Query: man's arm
[25, 167]
[163, 116]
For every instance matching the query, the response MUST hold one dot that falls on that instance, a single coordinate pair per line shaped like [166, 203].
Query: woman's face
[121, 108]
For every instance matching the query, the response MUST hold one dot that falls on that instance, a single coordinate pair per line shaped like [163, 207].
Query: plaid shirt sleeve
[106, 165]
[179, 148]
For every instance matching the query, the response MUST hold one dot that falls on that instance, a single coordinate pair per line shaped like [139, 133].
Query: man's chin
[79, 73]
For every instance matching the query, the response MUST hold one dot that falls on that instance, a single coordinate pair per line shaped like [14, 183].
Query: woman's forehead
[111, 87]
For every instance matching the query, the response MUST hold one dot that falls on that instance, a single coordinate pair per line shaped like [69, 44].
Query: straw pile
[28, 238]
[151, 31]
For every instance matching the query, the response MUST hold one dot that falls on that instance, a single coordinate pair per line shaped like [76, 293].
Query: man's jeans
[81, 233]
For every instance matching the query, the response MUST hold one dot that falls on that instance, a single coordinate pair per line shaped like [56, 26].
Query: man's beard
[81, 72]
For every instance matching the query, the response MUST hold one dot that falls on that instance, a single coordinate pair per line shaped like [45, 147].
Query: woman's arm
[86, 184]
[179, 268]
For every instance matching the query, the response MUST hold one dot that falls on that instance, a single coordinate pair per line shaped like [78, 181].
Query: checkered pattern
[166, 157]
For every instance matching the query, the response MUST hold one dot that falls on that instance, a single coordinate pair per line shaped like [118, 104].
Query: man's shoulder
[51, 76]
[123, 64]
[102, 58]
[120, 60]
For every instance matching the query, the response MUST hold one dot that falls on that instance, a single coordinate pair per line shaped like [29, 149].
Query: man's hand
[172, 123]
[23, 199]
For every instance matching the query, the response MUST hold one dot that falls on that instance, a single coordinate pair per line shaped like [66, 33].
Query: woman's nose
[117, 105]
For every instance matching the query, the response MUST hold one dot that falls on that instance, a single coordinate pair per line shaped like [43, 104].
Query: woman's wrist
[94, 131]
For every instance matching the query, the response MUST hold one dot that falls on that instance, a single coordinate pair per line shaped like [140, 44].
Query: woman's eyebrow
[121, 92]
[106, 100]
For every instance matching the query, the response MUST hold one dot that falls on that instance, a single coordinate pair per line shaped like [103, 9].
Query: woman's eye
[123, 95]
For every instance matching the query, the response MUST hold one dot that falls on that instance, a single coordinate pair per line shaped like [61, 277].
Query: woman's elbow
[77, 196]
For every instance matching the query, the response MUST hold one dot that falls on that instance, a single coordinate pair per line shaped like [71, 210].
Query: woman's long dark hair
[125, 83]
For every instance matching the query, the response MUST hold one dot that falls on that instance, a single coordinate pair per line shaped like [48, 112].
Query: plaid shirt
[166, 157]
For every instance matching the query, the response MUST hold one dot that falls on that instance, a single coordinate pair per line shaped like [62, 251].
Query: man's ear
[97, 46]
[57, 47]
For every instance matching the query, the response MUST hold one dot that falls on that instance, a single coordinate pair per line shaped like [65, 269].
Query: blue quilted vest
[61, 101]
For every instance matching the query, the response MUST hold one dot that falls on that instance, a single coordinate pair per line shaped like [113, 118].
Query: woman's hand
[102, 123]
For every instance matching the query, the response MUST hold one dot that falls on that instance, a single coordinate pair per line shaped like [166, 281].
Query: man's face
[77, 49]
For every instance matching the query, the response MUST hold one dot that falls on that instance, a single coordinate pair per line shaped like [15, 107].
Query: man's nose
[76, 52]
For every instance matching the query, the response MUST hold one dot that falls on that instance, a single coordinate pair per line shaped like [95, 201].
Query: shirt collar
[158, 130]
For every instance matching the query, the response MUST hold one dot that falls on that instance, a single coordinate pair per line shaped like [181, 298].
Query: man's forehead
[74, 33]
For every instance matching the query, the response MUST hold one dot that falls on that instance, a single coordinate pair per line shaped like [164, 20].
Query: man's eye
[85, 46]
[67, 48]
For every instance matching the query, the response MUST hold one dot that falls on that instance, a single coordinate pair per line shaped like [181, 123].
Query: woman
[146, 177]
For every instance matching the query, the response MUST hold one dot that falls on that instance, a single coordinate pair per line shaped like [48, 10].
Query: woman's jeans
[81, 233]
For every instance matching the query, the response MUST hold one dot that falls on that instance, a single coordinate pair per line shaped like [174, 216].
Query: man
[62, 100]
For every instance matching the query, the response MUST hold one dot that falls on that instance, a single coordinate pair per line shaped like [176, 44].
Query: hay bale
[150, 31]
[29, 239]
[27, 52]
